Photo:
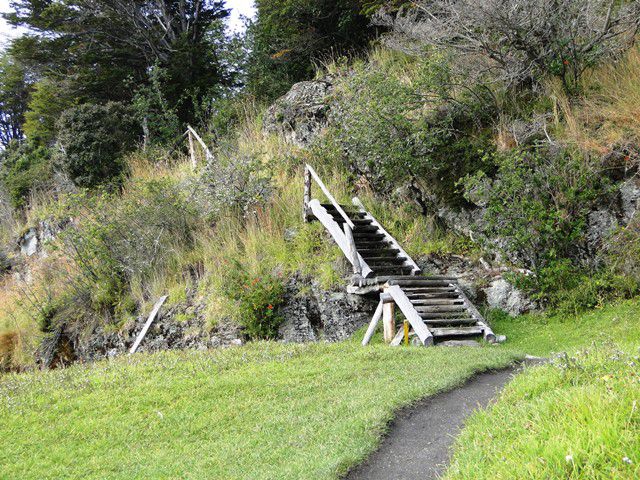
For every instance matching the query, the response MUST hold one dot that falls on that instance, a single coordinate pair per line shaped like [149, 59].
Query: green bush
[122, 243]
[400, 123]
[538, 201]
[26, 170]
[93, 140]
[567, 289]
[257, 298]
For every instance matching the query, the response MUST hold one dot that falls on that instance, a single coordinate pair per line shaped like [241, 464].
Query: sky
[239, 8]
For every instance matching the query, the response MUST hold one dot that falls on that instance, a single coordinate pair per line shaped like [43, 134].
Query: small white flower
[569, 458]
[627, 460]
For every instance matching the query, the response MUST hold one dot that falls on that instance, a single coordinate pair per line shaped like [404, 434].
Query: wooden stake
[388, 321]
[406, 332]
[192, 151]
[372, 325]
[152, 317]
[307, 194]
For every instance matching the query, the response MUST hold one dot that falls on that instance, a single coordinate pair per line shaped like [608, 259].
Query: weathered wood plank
[327, 193]
[388, 321]
[337, 233]
[373, 324]
[403, 303]
[456, 332]
[409, 262]
[150, 319]
[207, 152]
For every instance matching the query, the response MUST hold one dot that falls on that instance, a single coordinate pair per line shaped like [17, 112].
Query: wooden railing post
[192, 151]
[389, 321]
[307, 194]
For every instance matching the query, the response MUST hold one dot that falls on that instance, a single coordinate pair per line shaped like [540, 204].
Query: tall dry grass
[607, 115]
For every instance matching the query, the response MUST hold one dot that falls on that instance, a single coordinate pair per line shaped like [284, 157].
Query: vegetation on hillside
[411, 132]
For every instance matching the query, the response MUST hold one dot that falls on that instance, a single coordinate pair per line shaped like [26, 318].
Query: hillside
[147, 151]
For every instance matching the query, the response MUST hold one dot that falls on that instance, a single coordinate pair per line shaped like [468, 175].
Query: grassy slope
[576, 418]
[542, 335]
[263, 411]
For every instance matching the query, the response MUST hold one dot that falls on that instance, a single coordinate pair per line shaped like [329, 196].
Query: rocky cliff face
[301, 115]
[312, 313]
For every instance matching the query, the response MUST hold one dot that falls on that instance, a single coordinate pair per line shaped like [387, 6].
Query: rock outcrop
[301, 114]
[312, 313]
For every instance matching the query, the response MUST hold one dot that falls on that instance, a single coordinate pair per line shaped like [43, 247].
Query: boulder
[301, 114]
[600, 225]
[29, 243]
[629, 196]
[503, 295]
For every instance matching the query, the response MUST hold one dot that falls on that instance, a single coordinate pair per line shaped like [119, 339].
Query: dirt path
[420, 438]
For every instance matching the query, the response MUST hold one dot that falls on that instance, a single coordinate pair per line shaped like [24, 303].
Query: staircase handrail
[309, 172]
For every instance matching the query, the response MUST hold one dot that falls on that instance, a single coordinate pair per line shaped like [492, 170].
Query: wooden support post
[406, 332]
[192, 151]
[388, 321]
[307, 194]
[372, 325]
[152, 317]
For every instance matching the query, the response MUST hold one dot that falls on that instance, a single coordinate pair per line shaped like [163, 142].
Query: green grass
[263, 411]
[541, 335]
[576, 418]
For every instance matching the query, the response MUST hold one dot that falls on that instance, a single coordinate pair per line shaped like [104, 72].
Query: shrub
[121, 244]
[26, 170]
[401, 123]
[257, 298]
[93, 139]
[569, 290]
[237, 183]
[523, 40]
[538, 202]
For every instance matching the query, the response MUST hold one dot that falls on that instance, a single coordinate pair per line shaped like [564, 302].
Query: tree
[93, 139]
[14, 94]
[522, 39]
[99, 47]
[289, 36]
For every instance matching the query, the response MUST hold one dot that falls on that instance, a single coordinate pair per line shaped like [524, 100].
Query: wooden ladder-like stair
[435, 306]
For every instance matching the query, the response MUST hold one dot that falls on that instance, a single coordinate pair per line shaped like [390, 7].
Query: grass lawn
[541, 335]
[263, 411]
[576, 418]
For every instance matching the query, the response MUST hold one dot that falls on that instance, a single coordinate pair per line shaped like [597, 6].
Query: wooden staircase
[436, 308]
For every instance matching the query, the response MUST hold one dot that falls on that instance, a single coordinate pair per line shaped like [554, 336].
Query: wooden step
[367, 236]
[440, 308]
[385, 251]
[434, 296]
[365, 229]
[362, 221]
[391, 269]
[439, 315]
[374, 260]
[450, 321]
[362, 244]
[426, 302]
[456, 331]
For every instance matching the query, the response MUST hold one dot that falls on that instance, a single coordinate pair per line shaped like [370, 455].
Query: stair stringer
[411, 314]
[337, 234]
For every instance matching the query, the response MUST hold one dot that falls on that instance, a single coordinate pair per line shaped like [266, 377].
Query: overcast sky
[239, 8]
